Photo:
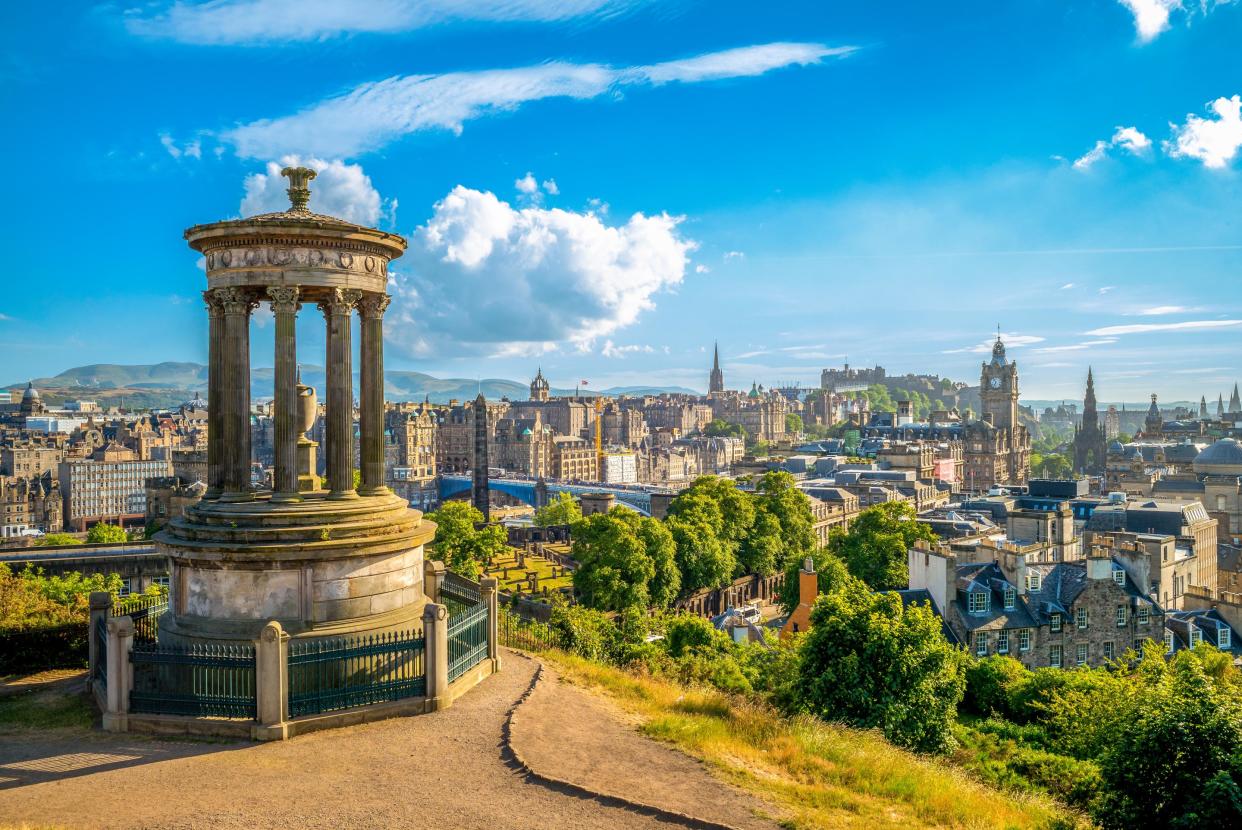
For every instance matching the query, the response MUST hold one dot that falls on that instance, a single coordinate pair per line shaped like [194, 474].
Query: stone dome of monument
[31, 394]
[1222, 458]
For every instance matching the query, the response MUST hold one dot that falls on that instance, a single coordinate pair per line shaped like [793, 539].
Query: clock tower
[998, 388]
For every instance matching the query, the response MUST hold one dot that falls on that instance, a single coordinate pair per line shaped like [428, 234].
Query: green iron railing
[326, 675]
[459, 593]
[145, 615]
[528, 635]
[200, 681]
[100, 670]
[467, 639]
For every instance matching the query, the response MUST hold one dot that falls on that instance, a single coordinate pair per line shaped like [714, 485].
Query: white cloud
[702, 269]
[1104, 289]
[527, 184]
[191, 149]
[549, 187]
[985, 346]
[1075, 347]
[734, 255]
[339, 189]
[482, 276]
[5, 317]
[1212, 141]
[1151, 17]
[170, 146]
[374, 114]
[1127, 138]
[1156, 311]
[251, 22]
[1143, 328]
[614, 351]
[1067, 286]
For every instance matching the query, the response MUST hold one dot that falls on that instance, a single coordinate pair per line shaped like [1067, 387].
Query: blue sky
[801, 181]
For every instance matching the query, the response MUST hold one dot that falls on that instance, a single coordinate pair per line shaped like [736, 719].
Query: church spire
[715, 381]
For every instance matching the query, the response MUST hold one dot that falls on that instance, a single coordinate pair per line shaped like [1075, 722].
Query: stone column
[215, 387]
[271, 682]
[435, 655]
[285, 306]
[235, 394]
[339, 434]
[371, 449]
[100, 606]
[433, 578]
[120, 674]
[488, 587]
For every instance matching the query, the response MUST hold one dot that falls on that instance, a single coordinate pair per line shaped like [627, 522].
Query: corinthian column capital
[340, 301]
[237, 300]
[284, 299]
[215, 306]
[372, 306]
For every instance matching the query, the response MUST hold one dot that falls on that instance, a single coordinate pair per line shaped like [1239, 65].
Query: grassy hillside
[816, 775]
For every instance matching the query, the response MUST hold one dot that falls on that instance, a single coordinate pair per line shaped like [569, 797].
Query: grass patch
[516, 581]
[816, 775]
[51, 710]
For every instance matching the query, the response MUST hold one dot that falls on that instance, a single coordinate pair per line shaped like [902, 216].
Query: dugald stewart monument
[323, 558]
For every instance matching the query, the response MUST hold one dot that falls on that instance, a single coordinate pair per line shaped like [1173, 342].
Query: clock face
[996, 383]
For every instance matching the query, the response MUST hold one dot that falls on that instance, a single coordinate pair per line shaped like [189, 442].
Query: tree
[793, 422]
[662, 551]
[877, 543]
[1177, 760]
[561, 510]
[102, 534]
[724, 429]
[830, 573]
[53, 539]
[873, 663]
[1052, 465]
[613, 566]
[734, 510]
[703, 560]
[463, 541]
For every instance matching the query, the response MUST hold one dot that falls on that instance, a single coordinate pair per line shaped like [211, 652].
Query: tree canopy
[464, 546]
[48, 540]
[718, 428]
[103, 533]
[562, 509]
[876, 545]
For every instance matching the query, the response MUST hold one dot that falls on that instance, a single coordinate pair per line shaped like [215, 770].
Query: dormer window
[1168, 642]
[1119, 576]
[1224, 637]
[1196, 636]
[978, 602]
[1032, 580]
[1011, 596]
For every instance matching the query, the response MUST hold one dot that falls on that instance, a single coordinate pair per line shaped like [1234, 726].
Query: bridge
[526, 490]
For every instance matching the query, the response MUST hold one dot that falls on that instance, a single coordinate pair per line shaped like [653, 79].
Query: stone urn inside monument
[321, 558]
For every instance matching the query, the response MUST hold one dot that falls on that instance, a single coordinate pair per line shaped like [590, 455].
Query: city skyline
[604, 189]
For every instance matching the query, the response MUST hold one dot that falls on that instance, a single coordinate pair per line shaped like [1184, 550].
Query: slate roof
[1209, 624]
[988, 577]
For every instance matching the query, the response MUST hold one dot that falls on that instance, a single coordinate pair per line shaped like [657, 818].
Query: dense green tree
[873, 663]
[613, 566]
[562, 509]
[777, 493]
[724, 429]
[876, 545]
[662, 551]
[1051, 465]
[830, 573]
[462, 541]
[1176, 760]
[703, 560]
[53, 539]
[736, 508]
[103, 533]
[793, 422]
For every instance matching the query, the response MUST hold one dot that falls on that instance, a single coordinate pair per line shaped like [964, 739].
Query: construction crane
[599, 438]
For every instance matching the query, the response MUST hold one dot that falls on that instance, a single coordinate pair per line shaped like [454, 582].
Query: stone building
[1090, 438]
[573, 459]
[997, 447]
[25, 458]
[759, 413]
[1063, 614]
[715, 380]
[168, 497]
[110, 486]
[29, 504]
[523, 446]
[455, 434]
[622, 426]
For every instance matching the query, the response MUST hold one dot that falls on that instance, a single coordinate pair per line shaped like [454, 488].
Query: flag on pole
[584, 383]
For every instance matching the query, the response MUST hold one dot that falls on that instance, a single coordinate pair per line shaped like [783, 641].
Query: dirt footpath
[444, 770]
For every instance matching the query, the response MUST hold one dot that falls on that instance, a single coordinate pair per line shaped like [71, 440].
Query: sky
[605, 188]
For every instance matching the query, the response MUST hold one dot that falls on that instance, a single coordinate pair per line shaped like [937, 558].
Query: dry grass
[814, 774]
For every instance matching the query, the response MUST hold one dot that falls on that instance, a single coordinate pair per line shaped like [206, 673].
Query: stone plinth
[320, 568]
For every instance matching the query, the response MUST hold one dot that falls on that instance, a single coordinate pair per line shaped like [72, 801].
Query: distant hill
[168, 384]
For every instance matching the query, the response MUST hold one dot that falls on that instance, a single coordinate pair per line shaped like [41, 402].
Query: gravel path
[444, 770]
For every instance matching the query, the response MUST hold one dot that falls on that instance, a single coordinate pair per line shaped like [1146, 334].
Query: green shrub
[991, 682]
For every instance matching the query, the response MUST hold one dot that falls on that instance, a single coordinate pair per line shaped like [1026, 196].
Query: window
[1055, 623]
[1122, 616]
[978, 602]
[1024, 640]
[1011, 596]
[981, 643]
[1168, 642]
[1196, 636]
[125, 588]
[1119, 576]
[1224, 637]
[1002, 642]
[1080, 617]
[1082, 654]
[1032, 580]
[161, 581]
[1144, 615]
[1054, 656]
[1108, 650]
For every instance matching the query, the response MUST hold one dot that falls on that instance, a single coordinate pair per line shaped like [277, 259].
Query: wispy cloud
[1127, 138]
[256, 22]
[985, 346]
[377, 113]
[729, 255]
[614, 351]
[1143, 328]
[1212, 141]
[1159, 310]
[1067, 286]
[1151, 17]
[1075, 347]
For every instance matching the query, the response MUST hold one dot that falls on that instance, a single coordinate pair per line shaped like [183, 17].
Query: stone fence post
[120, 674]
[271, 683]
[101, 606]
[433, 578]
[487, 586]
[435, 655]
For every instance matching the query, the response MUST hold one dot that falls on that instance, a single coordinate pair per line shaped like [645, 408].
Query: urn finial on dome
[299, 187]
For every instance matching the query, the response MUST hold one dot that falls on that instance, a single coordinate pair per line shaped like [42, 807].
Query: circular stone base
[320, 567]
